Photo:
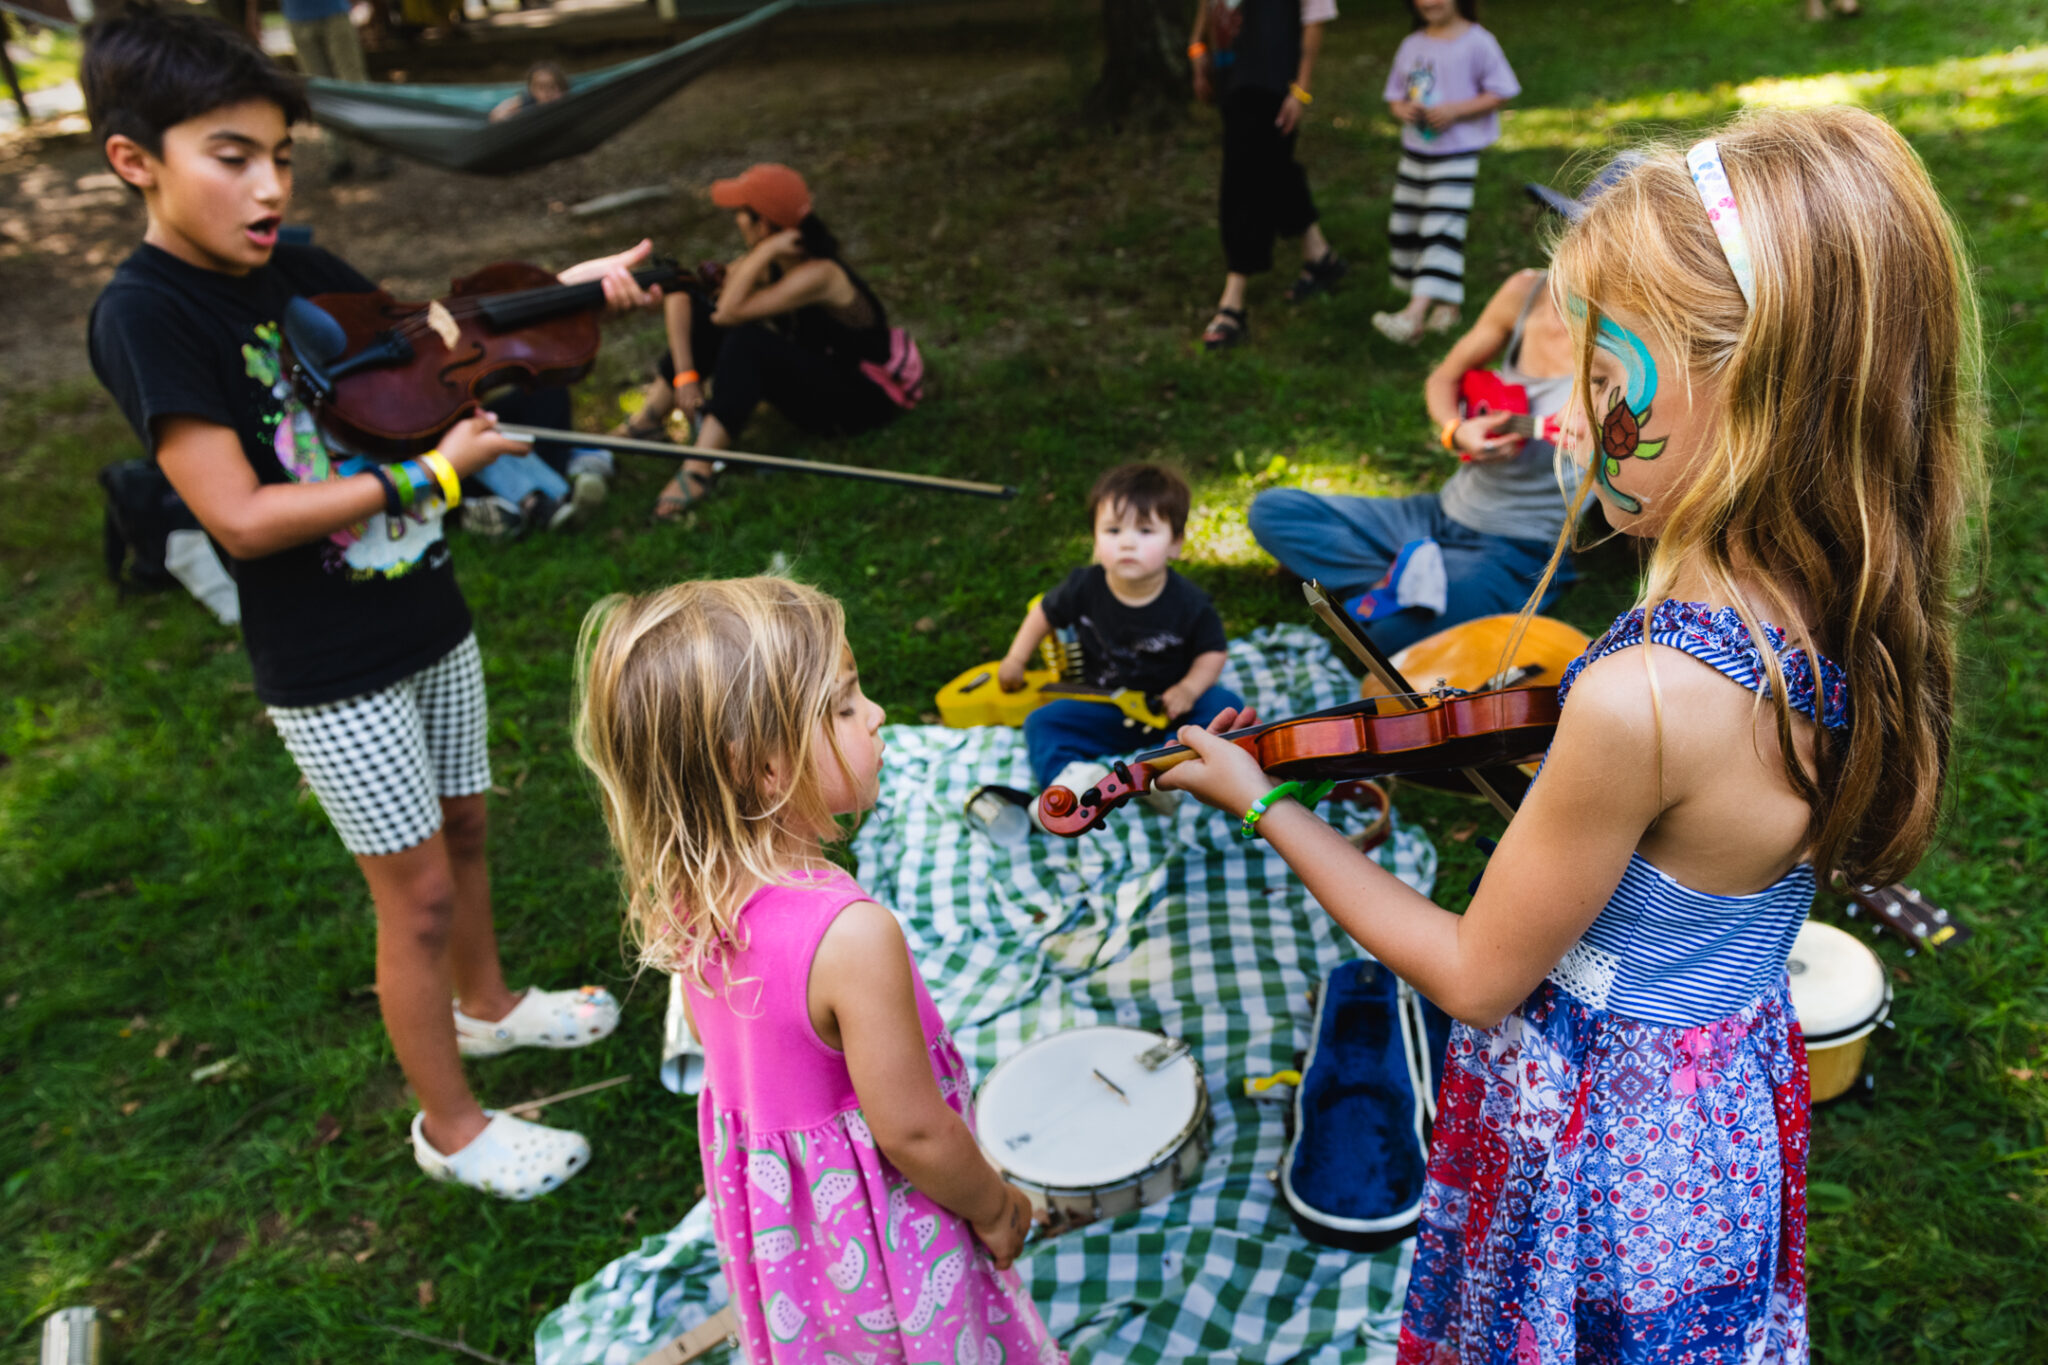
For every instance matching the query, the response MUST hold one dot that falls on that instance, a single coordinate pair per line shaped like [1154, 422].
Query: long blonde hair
[1844, 461]
[685, 698]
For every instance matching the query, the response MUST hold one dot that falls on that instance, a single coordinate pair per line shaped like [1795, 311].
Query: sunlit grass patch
[1964, 94]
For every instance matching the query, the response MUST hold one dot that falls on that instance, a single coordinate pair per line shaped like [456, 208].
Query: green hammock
[449, 125]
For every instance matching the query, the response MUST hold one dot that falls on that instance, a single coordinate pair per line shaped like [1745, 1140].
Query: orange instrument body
[1475, 656]
[1354, 740]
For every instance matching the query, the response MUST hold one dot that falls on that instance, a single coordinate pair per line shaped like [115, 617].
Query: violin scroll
[1071, 815]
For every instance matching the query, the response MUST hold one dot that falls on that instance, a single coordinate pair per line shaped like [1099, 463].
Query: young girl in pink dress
[857, 1219]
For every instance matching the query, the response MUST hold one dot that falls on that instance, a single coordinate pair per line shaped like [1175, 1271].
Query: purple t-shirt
[1435, 71]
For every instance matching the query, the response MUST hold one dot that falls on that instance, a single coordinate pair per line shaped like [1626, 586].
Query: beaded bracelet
[1308, 793]
[392, 505]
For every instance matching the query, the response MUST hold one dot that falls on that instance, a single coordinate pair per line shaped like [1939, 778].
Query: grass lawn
[44, 58]
[170, 901]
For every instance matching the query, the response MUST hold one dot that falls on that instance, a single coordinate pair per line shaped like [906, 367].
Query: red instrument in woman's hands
[389, 378]
[1483, 392]
[1476, 731]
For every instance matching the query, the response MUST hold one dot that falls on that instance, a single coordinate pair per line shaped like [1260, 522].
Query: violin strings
[416, 323]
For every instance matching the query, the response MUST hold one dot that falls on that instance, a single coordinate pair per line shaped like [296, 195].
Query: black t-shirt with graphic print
[1147, 649]
[345, 614]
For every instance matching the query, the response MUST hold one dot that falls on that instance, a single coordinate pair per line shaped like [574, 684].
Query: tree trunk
[1145, 75]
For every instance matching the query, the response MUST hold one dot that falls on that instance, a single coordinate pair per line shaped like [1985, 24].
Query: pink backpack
[902, 375]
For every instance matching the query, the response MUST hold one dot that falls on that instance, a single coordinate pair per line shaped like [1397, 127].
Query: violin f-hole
[447, 371]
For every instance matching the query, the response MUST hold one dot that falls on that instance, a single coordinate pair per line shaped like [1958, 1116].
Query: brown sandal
[672, 506]
[1225, 329]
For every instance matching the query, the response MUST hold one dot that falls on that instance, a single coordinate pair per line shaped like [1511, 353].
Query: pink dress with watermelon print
[831, 1256]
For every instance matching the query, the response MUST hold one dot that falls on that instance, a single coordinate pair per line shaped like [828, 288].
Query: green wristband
[1308, 793]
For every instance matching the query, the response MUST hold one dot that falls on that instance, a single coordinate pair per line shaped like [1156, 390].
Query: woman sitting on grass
[789, 323]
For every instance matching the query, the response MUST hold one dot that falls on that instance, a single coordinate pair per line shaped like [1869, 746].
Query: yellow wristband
[1450, 436]
[444, 474]
[1295, 90]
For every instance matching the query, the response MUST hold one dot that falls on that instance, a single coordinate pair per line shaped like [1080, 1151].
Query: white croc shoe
[511, 1158]
[555, 1019]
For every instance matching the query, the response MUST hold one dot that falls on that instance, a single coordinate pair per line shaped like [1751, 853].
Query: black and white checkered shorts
[380, 763]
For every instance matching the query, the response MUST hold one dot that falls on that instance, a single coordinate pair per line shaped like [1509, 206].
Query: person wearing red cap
[789, 323]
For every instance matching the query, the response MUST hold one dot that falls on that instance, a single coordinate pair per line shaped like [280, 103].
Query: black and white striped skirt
[1426, 231]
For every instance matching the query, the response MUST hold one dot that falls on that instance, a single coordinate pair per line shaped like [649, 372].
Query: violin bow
[668, 450]
[1388, 678]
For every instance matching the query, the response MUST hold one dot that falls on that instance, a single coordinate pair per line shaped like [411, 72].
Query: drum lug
[1163, 1053]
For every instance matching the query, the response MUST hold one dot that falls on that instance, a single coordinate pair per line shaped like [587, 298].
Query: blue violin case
[1352, 1176]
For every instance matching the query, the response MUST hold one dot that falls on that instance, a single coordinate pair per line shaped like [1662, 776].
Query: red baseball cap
[774, 192]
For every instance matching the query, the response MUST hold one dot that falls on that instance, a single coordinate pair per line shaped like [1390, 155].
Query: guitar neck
[525, 307]
[1910, 915]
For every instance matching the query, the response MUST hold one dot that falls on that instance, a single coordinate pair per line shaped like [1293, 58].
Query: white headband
[1710, 178]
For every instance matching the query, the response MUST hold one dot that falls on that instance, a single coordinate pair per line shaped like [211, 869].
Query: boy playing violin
[357, 633]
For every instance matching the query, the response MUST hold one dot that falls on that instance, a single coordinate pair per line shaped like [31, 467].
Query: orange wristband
[1197, 51]
[686, 377]
[1450, 436]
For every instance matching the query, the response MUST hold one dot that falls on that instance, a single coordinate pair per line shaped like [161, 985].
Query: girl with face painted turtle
[1619, 1164]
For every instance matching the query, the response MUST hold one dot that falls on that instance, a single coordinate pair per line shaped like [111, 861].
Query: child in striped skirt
[1448, 81]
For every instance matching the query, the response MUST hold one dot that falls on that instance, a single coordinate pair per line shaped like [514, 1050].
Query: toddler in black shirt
[1139, 625]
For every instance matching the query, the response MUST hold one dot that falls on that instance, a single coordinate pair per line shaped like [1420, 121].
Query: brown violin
[387, 378]
[1444, 732]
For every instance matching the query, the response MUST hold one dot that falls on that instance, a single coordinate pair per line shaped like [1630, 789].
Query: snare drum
[1095, 1122]
[1840, 993]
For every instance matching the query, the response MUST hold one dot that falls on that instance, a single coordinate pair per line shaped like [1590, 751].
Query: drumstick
[1112, 1085]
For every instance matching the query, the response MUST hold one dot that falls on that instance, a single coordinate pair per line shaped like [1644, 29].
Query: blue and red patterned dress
[1619, 1167]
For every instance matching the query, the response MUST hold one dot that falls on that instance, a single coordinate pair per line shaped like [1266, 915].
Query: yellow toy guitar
[976, 698]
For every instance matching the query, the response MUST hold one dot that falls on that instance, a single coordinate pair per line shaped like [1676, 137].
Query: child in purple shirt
[1447, 84]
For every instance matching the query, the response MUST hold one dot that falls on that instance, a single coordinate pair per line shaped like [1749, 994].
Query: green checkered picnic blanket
[1153, 922]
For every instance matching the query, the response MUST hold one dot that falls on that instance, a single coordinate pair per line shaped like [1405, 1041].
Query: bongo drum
[1095, 1122]
[1840, 993]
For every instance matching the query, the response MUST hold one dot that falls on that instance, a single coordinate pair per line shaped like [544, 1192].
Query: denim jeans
[512, 477]
[1347, 544]
[1065, 731]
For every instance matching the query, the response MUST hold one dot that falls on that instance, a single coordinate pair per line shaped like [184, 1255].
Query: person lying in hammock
[789, 323]
[545, 83]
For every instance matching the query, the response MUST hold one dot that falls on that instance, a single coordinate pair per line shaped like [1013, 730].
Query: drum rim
[1168, 1153]
[1878, 1009]
[1850, 1033]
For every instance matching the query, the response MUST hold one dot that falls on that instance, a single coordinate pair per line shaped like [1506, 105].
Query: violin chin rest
[316, 339]
[312, 331]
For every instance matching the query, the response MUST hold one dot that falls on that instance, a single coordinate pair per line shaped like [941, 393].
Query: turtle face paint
[1627, 411]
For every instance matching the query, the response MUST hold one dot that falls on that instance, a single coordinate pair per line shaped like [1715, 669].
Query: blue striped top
[1660, 951]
